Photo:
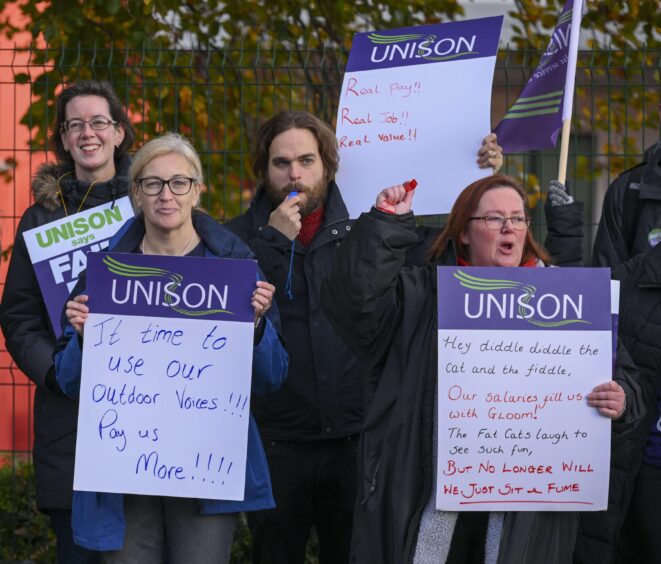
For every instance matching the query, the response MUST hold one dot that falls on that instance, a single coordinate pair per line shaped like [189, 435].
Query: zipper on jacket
[373, 485]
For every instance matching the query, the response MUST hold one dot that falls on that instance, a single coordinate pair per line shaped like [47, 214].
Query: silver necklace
[145, 252]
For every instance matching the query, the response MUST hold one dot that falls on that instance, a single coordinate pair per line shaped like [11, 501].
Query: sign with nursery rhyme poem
[519, 349]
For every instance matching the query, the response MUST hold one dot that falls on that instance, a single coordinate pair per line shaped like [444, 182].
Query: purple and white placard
[518, 351]
[415, 103]
[58, 250]
[166, 374]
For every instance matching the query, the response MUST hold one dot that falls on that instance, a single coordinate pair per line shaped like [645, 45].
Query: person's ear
[197, 187]
[119, 135]
[137, 197]
[464, 238]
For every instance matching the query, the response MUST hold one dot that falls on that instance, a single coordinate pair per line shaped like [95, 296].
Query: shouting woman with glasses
[90, 138]
[167, 179]
[388, 316]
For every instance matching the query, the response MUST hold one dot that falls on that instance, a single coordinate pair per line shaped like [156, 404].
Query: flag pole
[577, 11]
[564, 150]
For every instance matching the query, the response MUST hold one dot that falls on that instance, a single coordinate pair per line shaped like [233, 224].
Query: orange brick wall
[16, 391]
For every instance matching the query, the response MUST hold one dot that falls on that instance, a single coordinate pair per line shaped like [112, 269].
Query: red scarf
[310, 224]
[528, 263]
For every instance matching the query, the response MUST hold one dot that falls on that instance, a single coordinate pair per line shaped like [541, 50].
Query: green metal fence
[218, 98]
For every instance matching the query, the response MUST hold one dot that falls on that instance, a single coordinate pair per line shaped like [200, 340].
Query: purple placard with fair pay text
[497, 298]
[165, 286]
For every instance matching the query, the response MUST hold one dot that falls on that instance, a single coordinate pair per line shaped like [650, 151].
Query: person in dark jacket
[90, 138]
[388, 315]
[166, 177]
[630, 221]
[599, 539]
[310, 427]
[630, 224]
[628, 532]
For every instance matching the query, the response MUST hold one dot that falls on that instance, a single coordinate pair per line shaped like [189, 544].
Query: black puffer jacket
[631, 215]
[640, 332]
[28, 334]
[322, 397]
[564, 236]
[598, 531]
[397, 347]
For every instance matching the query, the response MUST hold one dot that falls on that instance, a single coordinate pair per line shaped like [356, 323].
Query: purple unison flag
[535, 119]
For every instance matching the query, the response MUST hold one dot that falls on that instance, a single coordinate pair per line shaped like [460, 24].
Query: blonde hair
[166, 144]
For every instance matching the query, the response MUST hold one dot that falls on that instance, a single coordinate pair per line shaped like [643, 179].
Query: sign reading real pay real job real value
[415, 103]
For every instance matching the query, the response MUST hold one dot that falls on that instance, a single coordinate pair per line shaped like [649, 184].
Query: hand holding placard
[262, 298]
[77, 312]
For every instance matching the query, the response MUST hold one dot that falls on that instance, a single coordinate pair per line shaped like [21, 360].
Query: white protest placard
[518, 351]
[166, 374]
[415, 104]
[58, 250]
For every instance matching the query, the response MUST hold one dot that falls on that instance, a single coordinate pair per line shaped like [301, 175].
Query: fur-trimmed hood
[53, 178]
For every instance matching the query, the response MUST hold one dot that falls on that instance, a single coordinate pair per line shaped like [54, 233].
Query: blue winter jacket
[98, 518]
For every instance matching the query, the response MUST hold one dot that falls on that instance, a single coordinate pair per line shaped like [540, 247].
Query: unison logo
[419, 46]
[508, 299]
[172, 292]
[559, 40]
[79, 226]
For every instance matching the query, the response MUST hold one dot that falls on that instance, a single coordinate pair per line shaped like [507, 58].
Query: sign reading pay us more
[166, 376]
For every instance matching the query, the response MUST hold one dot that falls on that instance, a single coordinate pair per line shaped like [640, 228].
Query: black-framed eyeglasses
[519, 222]
[96, 123]
[153, 185]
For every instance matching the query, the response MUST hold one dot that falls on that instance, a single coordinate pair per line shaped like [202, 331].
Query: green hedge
[25, 533]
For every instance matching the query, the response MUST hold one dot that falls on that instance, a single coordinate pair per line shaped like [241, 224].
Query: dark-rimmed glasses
[153, 185]
[519, 222]
[96, 123]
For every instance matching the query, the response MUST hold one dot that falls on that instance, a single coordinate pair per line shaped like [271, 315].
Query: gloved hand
[557, 194]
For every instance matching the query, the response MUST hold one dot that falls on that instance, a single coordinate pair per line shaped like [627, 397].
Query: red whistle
[410, 185]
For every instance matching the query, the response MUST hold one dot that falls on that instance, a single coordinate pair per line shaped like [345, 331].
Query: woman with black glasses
[167, 179]
[90, 138]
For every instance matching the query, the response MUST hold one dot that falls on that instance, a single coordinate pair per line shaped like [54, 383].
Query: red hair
[464, 208]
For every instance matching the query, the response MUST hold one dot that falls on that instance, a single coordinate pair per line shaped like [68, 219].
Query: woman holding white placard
[387, 315]
[166, 177]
